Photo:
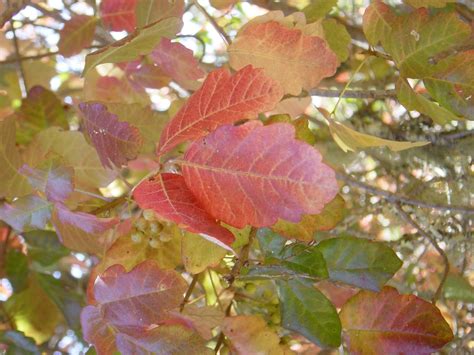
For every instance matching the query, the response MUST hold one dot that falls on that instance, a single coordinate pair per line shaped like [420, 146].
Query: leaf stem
[408, 219]
[188, 292]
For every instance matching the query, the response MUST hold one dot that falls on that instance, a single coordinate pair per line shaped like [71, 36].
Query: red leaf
[178, 62]
[118, 15]
[116, 142]
[82, 231]
[96, 331]
[248, 175]
[390, 323]
[140, 298]
[144, 75]
[76, 35]
[169, 197]
[223, 98]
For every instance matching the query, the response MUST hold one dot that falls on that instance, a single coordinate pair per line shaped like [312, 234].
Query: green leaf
[426, 3]
[305, 260]
[417, 37]
[33, 313]
[150, 11]
[307, 311]
[39, 110]
[458, 288]
[318, 9]
[198, 253]
[351, 140]
[377, 22]
[359, 262]
[140, 42]
[270, 243]
[302, 131]
[17, 269]
[334, 33]
[18, 343]
[73, 148]
[44, 247]
[150, 123]
[13, 184]
[413, 101]
[331, 215]
[452, 85]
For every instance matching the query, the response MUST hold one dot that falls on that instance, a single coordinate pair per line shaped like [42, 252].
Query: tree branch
[354, 94]
[391, 197]
[408, 219]
[189, 292]
[213, 22]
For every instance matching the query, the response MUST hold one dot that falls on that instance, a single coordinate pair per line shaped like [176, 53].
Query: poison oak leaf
[377, 22]
[51, 178]
[178, 62]
[168, 196]
[426, 3]
[116, 142]
[146, 75]
[247, 175]
[388, 322]
[297, 61]
[149, 11]
[201, 319]
[81, 231]
[140, 42]
[96, 331]
[13, 183]
[118, 15]
[223, 98]
[76, 34]
[138, 299]
[26, 213]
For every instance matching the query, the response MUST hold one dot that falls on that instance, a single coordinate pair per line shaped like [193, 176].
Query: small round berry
[149, 215]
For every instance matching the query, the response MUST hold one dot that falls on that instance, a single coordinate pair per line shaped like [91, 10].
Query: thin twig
[17, 55]
[239, 263]
[110, 205]
[394, 198]
[189, 292]
[213, 22]
[354, 94]
[408, 219]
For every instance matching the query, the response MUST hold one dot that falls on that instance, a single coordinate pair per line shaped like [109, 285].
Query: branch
[408, 219]
[188, 292]
[17, 55]
[213, 22]
[391, 197]
[354, 94]
[110, 205]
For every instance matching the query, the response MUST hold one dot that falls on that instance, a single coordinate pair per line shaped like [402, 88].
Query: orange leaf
[246, 175]
[223, 98]
[390, 323]
[296, 60]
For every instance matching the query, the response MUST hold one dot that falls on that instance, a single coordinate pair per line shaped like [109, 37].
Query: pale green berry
[154, 243]
[149, 215]
[155, 228]
[165, 237]
[137, 237]
[141, 224]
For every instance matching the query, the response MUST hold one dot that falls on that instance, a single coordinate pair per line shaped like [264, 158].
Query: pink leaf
[146, 75]
[26, 213]
[96, 331]
[169, 197]
[178, 62]
[76, 35]
[223, 98]
[116, 142]
[254, 174]
[82, 231]
[53, 179]
[118, 15]
[140, 298]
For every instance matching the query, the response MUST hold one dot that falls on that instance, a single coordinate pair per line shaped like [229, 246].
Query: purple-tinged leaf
[76, 34]
[96, 331]
[116, 142]
[26, 213]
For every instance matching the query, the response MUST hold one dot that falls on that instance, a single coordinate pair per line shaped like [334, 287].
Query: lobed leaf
[178, 62]
[198, 253]
[150, 11]
[76, 34]
[413, 101]
[81, 231]
[426, 3]
[377, 22]
[223, 98]
[242, 175]
[452, 85]
[144, 75]
[118, 15]
[44, 246]
[350, 140]
[26, 213]
[96, 331]
[201, 319]
[388, 322]
[116, 142]
[140, 298]
[359, 262]
[168, 196]
[140, 42]
[13, 183]
[249, 334]
[295, 60]
[307, 311]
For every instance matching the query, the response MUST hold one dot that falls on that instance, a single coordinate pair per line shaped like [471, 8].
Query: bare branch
[354, 94]
[212, 20]
[408, 219]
